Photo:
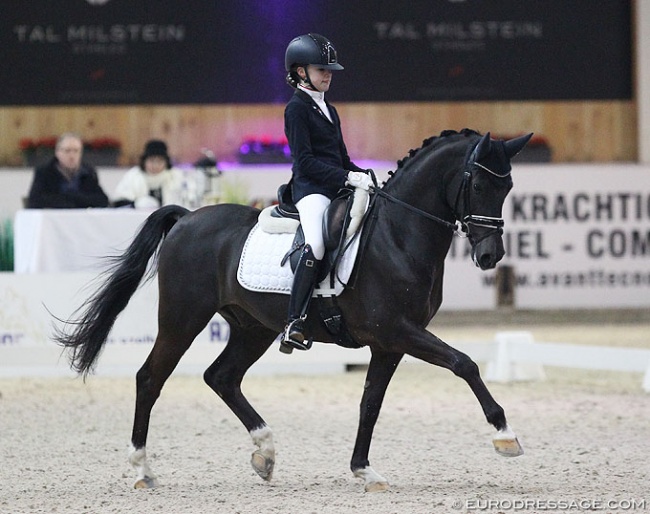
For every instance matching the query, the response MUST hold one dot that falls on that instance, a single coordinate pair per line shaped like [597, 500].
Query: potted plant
[102, 151]
[37, 151]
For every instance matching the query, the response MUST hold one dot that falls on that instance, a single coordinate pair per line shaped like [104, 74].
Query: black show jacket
[320, 158]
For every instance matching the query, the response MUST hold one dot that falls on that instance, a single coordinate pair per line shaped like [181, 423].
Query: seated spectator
[153, 183]
[66, 182]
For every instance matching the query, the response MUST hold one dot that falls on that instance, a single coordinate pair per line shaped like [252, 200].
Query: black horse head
[461, 177]
[486, 182]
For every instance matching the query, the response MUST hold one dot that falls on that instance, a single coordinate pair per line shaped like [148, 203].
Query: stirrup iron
[295, 339]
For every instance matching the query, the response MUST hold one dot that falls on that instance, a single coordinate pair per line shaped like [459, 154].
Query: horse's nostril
[486, 261]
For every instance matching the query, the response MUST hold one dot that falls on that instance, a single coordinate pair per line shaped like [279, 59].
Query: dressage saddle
[336, 221]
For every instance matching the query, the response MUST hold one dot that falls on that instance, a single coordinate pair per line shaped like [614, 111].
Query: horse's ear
[483, 147]
[514, 146]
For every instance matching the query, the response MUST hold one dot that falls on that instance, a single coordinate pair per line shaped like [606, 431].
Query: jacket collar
[317, 96]
[305, 97]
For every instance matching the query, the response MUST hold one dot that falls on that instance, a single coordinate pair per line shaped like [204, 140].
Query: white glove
[359, 179]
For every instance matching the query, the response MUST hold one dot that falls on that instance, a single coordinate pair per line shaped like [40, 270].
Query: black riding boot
[304, 281]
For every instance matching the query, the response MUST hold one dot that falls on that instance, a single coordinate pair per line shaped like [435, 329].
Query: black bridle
[466, 218]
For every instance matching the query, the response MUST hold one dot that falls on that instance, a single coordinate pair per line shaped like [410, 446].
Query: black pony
[457, 181]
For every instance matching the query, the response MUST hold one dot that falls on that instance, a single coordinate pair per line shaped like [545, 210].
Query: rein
[460, 228]
[452, 226]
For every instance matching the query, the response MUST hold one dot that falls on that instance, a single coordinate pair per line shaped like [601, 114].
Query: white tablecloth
[63, 240]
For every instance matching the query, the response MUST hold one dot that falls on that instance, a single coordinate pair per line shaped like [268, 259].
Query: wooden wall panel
[600, 131]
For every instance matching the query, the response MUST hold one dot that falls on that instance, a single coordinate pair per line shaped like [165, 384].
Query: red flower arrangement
[264, 149]
[31, 145]
[49, 143]
[103, 143]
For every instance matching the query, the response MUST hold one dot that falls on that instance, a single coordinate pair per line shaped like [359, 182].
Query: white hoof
[263, 459]
[373, 481]
[146, 483]
[262, 465]
[506, 443]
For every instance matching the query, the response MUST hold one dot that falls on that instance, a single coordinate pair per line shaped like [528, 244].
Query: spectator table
[65, 240]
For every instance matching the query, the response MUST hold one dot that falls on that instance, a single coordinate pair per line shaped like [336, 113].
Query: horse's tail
[123, 277]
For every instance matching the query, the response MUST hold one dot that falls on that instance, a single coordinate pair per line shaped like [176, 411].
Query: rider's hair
[292, 78]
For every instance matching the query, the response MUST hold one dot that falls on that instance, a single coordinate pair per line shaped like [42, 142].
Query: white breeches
[311, 209]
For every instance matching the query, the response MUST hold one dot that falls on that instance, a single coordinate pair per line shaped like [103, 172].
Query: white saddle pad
[260, 270]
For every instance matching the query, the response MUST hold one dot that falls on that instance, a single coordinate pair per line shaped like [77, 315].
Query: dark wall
[200, 51]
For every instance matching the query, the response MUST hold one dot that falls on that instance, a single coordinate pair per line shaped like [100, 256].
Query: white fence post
[505, 366]
[646, 380]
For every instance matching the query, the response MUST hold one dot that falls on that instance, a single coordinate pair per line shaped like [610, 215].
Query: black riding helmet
[309, 49]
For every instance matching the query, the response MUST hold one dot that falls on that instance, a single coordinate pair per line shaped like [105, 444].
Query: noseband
[465, 218]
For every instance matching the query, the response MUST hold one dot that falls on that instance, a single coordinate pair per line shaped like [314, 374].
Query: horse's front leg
[380, 371]
[427, 347]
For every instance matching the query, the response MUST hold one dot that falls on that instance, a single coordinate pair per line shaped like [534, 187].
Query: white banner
[576, 236]
[30, 304]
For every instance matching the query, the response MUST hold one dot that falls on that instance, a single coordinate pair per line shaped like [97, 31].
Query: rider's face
[320, 77]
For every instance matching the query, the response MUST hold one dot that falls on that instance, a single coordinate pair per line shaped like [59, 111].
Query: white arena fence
[511, 356]
[517, 356]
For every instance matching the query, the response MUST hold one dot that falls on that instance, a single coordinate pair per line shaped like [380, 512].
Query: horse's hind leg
[171, 343]
[149, 382]
[245, 346]
[381, 369]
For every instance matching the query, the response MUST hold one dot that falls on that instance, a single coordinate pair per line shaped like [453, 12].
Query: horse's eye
[477, 187]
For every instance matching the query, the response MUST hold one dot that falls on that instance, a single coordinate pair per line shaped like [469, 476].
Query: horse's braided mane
[427, 142]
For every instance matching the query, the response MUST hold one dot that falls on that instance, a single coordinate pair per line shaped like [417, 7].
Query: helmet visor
[328, 54]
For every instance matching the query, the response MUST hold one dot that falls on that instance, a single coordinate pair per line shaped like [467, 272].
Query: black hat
[155, 147]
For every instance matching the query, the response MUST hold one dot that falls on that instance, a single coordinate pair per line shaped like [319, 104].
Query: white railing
[511, 356]
[516, 356]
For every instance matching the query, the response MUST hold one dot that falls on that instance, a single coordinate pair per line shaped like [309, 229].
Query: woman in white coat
[153, 183]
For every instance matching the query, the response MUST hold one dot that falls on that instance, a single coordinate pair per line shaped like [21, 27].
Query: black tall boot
[304, 282]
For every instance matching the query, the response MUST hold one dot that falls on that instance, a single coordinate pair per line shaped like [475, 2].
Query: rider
[321, 165]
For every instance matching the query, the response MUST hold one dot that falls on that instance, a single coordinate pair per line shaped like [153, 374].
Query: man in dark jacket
[66, 182]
